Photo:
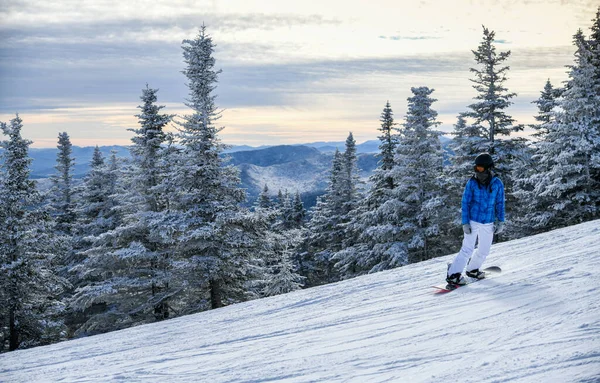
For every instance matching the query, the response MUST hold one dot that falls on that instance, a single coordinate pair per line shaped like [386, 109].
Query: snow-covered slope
[538, 321]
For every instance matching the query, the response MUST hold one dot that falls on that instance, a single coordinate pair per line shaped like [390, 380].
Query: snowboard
[441, 289]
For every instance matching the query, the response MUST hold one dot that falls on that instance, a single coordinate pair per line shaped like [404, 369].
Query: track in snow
[538, 321]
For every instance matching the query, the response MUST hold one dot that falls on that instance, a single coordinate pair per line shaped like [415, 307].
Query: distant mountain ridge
[371, 146]
[291, 168]
[274, 155]
[44, 159]
[295, 168]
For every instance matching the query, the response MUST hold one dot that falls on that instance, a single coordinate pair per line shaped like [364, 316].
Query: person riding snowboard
[482, 217]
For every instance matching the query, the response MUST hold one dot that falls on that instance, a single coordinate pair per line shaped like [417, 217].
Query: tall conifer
[28, 286]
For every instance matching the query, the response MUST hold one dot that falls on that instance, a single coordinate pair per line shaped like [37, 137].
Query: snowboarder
[482, 217]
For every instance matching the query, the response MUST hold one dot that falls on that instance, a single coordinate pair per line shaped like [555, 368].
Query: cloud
[33, 22]
[59, 62]
[97, 74]
[397, 38]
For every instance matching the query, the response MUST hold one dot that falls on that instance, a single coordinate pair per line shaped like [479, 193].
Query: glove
[467, 228]
[498, 227]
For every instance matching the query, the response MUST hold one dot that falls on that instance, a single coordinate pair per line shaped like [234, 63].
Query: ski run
[537, 321]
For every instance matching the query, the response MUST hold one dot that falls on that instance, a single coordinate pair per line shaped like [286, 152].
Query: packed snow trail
[537, 321]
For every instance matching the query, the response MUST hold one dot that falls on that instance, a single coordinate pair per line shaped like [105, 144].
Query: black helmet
[485, 160]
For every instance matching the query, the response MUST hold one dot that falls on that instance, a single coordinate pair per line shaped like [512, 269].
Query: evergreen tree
[96, 214]
[420, 206]
[367, 224]
[299, 212]
[331, 215]
[29, 308]
[525, 167]
[325, 231]
[132, 258]
[402, 224]
[381, 179]
[272, 269]
[62, 205]
[214, 235]
[96, 203]
[147, 152]
[62, 191]
[291, 212]
[493, 97]
[593, 44]
[387, 147]
[563, 189]
[350, 180]
[101, 298]
[546, 105]
[142, 226]
[264, 201]
[283, 278]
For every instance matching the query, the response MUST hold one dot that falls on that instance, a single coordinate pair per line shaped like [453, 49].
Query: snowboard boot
[475, 274]
[456, 279]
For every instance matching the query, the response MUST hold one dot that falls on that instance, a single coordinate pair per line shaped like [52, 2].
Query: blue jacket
[481, 203]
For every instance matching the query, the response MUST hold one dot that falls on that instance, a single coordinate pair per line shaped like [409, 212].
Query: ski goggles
[480, 169]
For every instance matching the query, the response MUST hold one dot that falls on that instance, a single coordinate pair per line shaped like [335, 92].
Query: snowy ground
[538, 321]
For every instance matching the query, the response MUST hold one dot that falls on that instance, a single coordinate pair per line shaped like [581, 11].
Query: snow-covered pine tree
[102, 189]
[331, 215]
[214, 235]
[283, 277]
[260, 266]
[405, 226]
[97, 158]
[286, 212]
[146, 204]
[131, 262]
[493, 97]
[147, 151]
[546, 105]
[381, 180]
[419, 208]
[361, 251]
[102, 307]
[273, 267]
[62, 193]
[350, 181]
[387, 147]
[96, 214]
[96, 202]
[525, 167]
[298, 211]
[594, 48]
[325, 232]
[264, 201]
[29, 308]
[564, 191]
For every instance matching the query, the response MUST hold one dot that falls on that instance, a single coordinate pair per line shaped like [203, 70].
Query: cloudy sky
[293, 71]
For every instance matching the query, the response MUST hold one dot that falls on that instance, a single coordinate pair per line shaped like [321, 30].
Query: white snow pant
[466, 255]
